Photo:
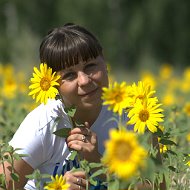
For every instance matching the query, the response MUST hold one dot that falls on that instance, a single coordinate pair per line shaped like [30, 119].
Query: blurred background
[135, 34]
[146, 40]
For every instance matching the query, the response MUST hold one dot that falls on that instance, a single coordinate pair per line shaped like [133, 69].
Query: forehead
[81, 63]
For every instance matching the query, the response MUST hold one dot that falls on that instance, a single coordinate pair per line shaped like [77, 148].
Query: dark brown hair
[66, 46]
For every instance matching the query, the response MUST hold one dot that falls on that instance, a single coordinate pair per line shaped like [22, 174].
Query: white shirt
[48, 152]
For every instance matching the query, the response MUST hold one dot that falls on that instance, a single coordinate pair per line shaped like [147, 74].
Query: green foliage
[175, 159]
[8, 154]
[132, 32]
[64, 132]
[10, 118]
[70, 111]
[38, 177]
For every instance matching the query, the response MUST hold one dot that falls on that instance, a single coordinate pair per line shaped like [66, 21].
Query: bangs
[63, 49]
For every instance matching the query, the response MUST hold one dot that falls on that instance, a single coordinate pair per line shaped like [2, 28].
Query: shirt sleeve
[29, 138]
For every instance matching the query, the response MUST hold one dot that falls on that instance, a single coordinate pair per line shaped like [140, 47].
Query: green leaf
[16, 156]
[73, 155]
[158, 132]
[97, 173]
[78, 124]
[70, 111]
[173, 169]
[6, 157]
[46, 175]
[23, 155]
[15, 176]
[64, 132]
[95, 165]
[114, 184]
[2, 181]
[93, 181]
[171, 152]
[167, 142]
[16, 149]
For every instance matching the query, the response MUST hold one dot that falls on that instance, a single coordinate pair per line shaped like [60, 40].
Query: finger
[81, 181]
[78, 137]
[76, 145]
[74, 186]
[80, 187]
[82, 130]
[86, 129]
[80, 174]
[76, 180]
[76, 130]
[86, 124]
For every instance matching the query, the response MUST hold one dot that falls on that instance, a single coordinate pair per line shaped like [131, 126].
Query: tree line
[131, 32]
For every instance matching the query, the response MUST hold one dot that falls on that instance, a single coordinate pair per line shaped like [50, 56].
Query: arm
[21, 168]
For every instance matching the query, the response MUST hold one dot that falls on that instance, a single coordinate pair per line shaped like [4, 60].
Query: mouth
[89, 93]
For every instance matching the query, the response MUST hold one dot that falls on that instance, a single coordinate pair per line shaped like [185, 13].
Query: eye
[90, 68]
[69, 76]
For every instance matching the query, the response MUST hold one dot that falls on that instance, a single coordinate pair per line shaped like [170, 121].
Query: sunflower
[149, 78]
[116, 97]
[163, 148]
[142, 91]
[57, 183]
[124, 156]
[43, 83]
[145, 114]
[186, 108]
[188, 137]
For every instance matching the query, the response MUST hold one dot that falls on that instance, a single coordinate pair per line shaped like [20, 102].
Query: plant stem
[12, 168]
[2, 159]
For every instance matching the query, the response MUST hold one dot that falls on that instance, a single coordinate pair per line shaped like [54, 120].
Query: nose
[83, 79]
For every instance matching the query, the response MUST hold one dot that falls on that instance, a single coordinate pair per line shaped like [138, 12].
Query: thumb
[86, 125]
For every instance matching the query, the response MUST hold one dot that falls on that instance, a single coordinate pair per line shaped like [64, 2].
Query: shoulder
[44, 114]
[36, 132]
[41, 120]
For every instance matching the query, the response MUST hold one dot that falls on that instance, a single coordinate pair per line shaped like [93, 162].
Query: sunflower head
[116, 97]
[124, 156]
[57, 183]
[147, 114]
[43, 84]
[142, 91]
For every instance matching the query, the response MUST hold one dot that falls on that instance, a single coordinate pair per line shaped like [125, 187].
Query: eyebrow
[67, 70]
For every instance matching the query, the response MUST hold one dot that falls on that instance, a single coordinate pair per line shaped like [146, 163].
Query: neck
[87, 115]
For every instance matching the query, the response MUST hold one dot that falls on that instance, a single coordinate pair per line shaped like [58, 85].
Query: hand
[85, 142]
[77, 180]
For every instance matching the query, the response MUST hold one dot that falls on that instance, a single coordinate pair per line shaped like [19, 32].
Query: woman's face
[81, 85]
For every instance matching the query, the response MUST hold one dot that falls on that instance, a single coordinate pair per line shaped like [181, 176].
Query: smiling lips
[89, 93]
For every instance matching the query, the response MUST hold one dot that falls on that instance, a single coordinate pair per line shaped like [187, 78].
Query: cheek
[68, 94]
[66, 90]
[102, 78]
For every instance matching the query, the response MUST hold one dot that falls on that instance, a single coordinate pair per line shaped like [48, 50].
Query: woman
[76, 55]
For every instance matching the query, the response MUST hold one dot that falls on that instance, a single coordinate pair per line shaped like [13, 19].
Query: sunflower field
[157, 105]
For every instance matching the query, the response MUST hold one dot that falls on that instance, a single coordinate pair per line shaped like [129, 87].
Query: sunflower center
[143, 115]
[45, 84]
[58, 187]
[118, 97]
[188, 109]
[140, 97]
[123, 152]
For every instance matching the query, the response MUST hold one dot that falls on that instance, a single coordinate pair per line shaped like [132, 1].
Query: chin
[92, 105]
